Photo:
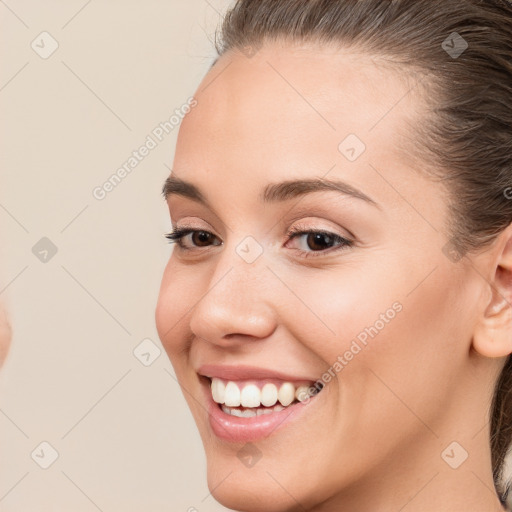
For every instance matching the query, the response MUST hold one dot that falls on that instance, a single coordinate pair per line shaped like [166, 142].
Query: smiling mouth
[251, 398]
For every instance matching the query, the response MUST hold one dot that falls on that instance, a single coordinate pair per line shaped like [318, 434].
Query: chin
[241, 481]
[249, 489]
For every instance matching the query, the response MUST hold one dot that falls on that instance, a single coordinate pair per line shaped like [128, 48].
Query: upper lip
[241, 372]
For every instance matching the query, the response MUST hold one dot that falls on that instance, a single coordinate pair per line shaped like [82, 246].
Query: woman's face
[370, 314]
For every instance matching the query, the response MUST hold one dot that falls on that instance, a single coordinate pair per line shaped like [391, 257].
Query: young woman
[337, 307]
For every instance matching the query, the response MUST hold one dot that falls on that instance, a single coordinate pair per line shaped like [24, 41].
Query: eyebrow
[273, 192]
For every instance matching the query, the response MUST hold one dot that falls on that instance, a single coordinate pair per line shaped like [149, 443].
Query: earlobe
[493, 332]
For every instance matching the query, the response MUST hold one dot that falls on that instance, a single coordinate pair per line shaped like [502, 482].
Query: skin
[5, 334]
[380, 426]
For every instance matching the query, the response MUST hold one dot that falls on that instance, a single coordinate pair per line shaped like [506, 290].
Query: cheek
[333, 309]
[389, 308]
[381, 337]
[412, 362]
[171, 308]
[181, 289]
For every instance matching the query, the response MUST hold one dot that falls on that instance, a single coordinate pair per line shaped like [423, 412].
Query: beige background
[125, 438]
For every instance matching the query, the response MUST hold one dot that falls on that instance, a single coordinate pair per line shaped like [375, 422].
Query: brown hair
[462, 49]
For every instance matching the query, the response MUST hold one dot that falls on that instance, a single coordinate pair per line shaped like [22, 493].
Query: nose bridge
[236, 299]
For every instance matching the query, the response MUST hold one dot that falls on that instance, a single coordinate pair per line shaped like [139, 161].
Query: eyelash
[177, 234]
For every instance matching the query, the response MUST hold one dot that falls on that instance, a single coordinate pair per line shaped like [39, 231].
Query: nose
[236, 303]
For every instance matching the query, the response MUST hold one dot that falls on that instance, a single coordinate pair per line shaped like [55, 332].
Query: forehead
[287, 112]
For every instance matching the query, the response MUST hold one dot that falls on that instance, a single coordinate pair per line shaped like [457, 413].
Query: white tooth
[232, 395]
[277, 408]
[286, 393]
[248, 413]
[218, 389]
[236, 412]
[302, 393]
[250, 396]
[227, 410]
[261, 411]
[265, 411]
[269, 395]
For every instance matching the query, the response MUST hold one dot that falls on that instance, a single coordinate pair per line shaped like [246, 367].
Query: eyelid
[299, 226]
[310, 219]
[184, 224]
[294, 228]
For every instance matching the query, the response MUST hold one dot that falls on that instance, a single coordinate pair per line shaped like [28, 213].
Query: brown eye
[316, 243]
[201, 238]
[188, 239]
[319, 241]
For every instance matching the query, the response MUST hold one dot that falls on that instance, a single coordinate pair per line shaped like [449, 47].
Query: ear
[493, 332]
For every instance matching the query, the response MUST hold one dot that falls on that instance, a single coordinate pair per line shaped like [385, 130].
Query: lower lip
[236, 429]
